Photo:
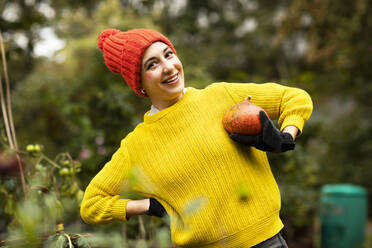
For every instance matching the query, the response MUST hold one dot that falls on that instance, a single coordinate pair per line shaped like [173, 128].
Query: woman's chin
[175, 94]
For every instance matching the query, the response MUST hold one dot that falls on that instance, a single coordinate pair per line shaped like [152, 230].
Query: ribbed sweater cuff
[119, 210]
[293, 120]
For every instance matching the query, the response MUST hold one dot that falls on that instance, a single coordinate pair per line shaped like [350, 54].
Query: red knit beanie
[123, 52]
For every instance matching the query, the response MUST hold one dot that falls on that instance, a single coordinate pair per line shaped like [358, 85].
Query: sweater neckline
[154, 117]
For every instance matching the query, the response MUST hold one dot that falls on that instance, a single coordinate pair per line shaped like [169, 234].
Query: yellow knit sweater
[183, 157]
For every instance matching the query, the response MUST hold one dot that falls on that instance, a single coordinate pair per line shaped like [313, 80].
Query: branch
[9, 125]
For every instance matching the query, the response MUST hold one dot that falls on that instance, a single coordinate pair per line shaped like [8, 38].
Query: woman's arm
[290, 106]
[102, 202]
[292, 130]
[146, 206]
[137, 207]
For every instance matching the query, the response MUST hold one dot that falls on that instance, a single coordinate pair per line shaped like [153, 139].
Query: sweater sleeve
[290, 106]
[102, 202]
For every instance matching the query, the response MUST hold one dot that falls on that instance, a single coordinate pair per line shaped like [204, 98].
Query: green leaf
[61, 241]
[10, 206]
[195, 205]
[82, 242]
[51, 241]
[243, 192]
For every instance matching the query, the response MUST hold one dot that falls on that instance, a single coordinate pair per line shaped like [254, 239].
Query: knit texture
[123, 52]
[183, 157]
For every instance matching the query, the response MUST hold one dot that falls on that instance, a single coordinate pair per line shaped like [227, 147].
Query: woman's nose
[168, 66]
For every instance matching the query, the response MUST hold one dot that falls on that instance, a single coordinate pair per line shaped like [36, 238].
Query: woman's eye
[169, 53]
[150, 65]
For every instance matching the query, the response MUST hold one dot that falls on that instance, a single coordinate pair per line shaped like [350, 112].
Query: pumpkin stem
[248, 98]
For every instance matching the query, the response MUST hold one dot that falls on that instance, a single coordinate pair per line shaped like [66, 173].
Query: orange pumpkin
[243, 118]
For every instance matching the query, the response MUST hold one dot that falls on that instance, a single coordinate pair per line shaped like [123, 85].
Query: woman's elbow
[89, 210]
[84, 210]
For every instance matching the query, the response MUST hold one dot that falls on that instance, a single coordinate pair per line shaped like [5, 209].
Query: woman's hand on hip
[156, 209]
[149, 206]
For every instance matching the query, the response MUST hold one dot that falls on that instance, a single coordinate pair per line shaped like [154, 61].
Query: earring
[143, 91]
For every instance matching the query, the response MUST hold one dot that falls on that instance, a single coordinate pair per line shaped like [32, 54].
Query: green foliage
[194, 206]
[53, 199]
[51, 196]
[242, 192]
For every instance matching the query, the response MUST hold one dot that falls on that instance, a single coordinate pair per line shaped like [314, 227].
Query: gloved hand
[269, 140]
[156, 209]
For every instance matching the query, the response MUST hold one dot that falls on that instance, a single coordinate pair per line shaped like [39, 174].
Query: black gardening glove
[270, 139]
[156, 209]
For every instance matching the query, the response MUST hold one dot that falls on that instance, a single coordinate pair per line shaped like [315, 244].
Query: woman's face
[162, 75]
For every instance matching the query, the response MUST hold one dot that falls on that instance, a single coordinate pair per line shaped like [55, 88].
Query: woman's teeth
[175, 77]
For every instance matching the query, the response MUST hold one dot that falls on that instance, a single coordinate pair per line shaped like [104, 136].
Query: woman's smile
[171, 80]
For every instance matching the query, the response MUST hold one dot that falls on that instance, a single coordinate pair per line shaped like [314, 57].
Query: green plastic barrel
[343, 216]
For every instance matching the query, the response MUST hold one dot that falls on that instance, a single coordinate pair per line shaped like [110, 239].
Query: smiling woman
[184, 159]
[162, 75]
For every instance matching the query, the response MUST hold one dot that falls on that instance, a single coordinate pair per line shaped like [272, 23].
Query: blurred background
[64, 98]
